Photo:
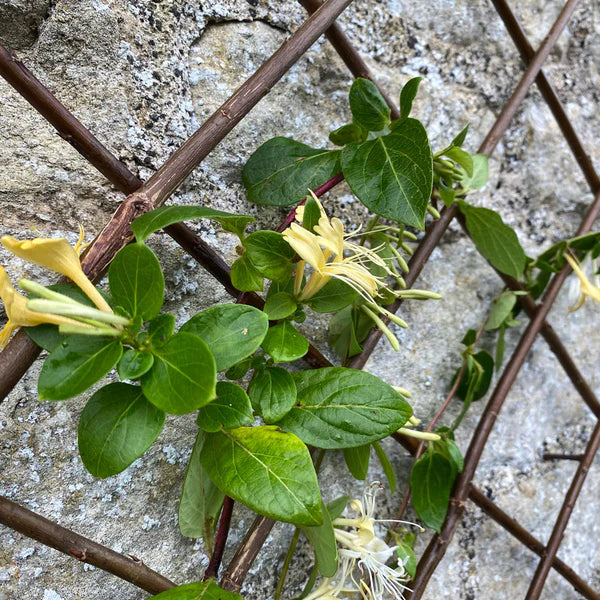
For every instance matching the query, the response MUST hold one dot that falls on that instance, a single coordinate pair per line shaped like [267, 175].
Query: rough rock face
[143, 76]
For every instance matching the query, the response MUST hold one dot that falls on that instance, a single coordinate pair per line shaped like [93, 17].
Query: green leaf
[431, 481]
[333, 296]
[134, 364]
[322, 539]
[459, 140]
[346, 134]
[496, 241]
[336, 507]
[162, 217]
[76, 364]
[342, 335]
[486, 362]
[312, 214]
[357, 460]
[470, 337]
[116, 427]
[369, 109]
[281, 171]
[388, 469]
[407, 96]
[183, 376]
[268, 470]
[230, 409]
[160, 329]
[500, 347]
[392, 175]
[245, 277]
[207, 590]
[406, 557]
[284, 343]
[447, 195]
[501, 310]
[340, 408]
[231, 331]
[239, 369]
[455, 455]
[280, 305]
[273, 393]
[270, 254]
[136, 281]
[463, 158]
[480, 173]
[201, 499]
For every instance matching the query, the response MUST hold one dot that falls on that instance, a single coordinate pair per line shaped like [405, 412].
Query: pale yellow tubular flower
[19, 315]
[587, 289]
[57, 255]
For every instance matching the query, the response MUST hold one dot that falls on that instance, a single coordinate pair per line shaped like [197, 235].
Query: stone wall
[142, 76]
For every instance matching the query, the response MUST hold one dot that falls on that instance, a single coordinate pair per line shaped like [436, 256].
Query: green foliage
[201, 500]
[284, 343]
[386, 465]
[479, 176]
[231, 331]
[392, 174]
[160, 329]
[116, 427]
[477, 378]
[501, 310]
[270, 254]
[207, 590]
[357, 460]
[346, 134]
[281, 171]
[369, 109]
[183, 375]
[136, 281]
[312, 214]
[407, 96]
[333, 296]
[134, 364]
[245, 277]
[229, 410]
[341, 408]
[76, 364]
[245, 462]
[280, 305]
[406, 556]
[322, 539]
[273, 393]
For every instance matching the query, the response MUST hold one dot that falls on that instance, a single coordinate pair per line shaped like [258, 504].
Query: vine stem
[286, 563]
[220, 540]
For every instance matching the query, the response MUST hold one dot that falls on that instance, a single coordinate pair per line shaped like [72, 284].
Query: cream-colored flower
[324, 251]
[580, 286]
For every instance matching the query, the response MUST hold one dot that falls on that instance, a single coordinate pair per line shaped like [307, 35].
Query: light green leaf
[392, 175]
[284, 343]
[270, 254]
[207, 590]
[281, 171]
[76, 364]
[406, 556]
[459, 140]
[496, 241]
[273, 393]
[136, 281]
[231, 331]
[463, 158]
[346, 134]
[501, 310]
[116, 427]
[162, 217]
[480, 173]
[230, 409]
[280, 305]
[245, 277]
[407, 96]
[340, 408]
[268, 470]
[369, 109]
[183, 376]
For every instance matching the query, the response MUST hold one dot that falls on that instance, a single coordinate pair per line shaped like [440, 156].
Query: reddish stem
[220, 540]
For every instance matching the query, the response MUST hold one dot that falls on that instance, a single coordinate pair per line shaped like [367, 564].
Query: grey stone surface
[143, 76]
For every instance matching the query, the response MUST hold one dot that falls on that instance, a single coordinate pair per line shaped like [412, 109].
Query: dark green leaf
[340, 408]
[230, 409]
[245, 277]
[484, 377]
[160, 329]
[470, 337]
[207, 590]
[270, 254]
[201, 499]
[312, 214]
[134, 364]
[480, 173]
[431, 481]
[183, 376]
[231, 331]
[459, 140]
[162, 217]
[239, 369]
[284, 343]
[268, 470]
[407, 96]
[322, 539]
[392, 175]
[388, 469]
[346, 134]
[281, 171]
[333, 296]
[463, 158]
[369, 109]
[75, 364]
[501, 310]
[116, 427]
[136, 281]
[273, 393]
[496, 241]
[357, 460]
[280, 305]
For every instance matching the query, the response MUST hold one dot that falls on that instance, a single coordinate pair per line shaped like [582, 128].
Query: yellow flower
[584, 287]
[59, 256]
[324, 252]
[19, 315]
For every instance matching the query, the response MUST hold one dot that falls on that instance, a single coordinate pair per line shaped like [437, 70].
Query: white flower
[580, 287]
